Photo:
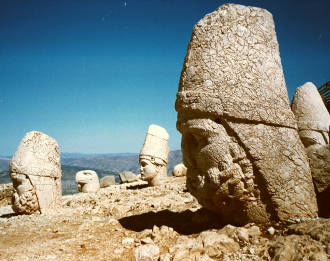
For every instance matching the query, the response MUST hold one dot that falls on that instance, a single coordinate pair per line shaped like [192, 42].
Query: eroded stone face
[88, 181]
[36, 174]
[240, 143]
[154, 155]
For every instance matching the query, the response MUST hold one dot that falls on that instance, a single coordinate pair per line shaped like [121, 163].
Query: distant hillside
[4, 164]
[103, 164]
[68, 178]
[118, 164]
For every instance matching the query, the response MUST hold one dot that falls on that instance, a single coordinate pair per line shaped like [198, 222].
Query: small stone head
[87, 181]
[179, 170]
[36, 174]
[154, 155]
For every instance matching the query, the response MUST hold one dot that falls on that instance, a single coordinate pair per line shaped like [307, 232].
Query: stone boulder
[179, 170]
[88, 181]
[107, 181]
[128, 177]
[35, 171]
[240, 142]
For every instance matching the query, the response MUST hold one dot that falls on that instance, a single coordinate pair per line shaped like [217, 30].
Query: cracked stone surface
[35, 171]
[240, 143]
[313, 123]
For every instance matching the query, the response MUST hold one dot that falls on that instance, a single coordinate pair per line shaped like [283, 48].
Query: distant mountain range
[103, 164]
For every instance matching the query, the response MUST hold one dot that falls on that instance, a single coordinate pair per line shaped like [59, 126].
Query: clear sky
[94, 74]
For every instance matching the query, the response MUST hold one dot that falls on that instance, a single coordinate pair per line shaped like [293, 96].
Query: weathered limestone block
[128, 177]
[107, 181]
[179, 170]
[312, 116]
[87, 181]
[154, 156]
[35, 171]
[240, 142]
[313, 124]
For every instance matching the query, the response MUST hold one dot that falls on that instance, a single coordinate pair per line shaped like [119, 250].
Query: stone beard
[240, 143]
[153, 170]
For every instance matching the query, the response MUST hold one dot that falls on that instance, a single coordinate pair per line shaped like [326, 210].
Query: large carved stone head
[35, 171]
[87, 181]
[312, 116]
[154, 155]
[239, 142]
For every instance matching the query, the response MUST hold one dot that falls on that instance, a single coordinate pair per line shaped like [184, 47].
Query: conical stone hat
[309, 109]
[233, 68]
[156, 143]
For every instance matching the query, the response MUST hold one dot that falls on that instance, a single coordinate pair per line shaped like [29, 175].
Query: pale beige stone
[88, 181]
[312, 116]
[313, 124]
[35, 171]
[154, 156]
[107, 181]
[179, 170]
[240, 142]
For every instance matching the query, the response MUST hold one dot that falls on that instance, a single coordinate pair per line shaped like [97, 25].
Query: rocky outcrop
[165, 222]
[35, 171]
[88, 181]
[240, 143]
[154, 156]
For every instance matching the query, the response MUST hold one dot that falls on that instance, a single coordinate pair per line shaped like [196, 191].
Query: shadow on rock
[186, 222]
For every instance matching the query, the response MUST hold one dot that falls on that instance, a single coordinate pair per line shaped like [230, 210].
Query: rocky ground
[151, 223]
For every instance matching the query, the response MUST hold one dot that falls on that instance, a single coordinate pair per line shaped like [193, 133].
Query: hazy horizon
[95, 74]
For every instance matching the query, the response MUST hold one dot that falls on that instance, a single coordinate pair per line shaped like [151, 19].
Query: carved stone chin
[154, 155]
[35, 171]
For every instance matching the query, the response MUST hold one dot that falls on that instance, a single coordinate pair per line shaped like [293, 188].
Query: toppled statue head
[240, 142]
[154, 155]
[88, 181]
[179, 170]
[35, 171]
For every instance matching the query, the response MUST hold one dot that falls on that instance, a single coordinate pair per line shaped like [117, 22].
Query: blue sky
[95, 74]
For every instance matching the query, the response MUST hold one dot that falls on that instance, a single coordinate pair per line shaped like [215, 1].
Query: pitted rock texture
[319, 160]
[35, 171]
[313, 123]
[240, 142]
[312, 116]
